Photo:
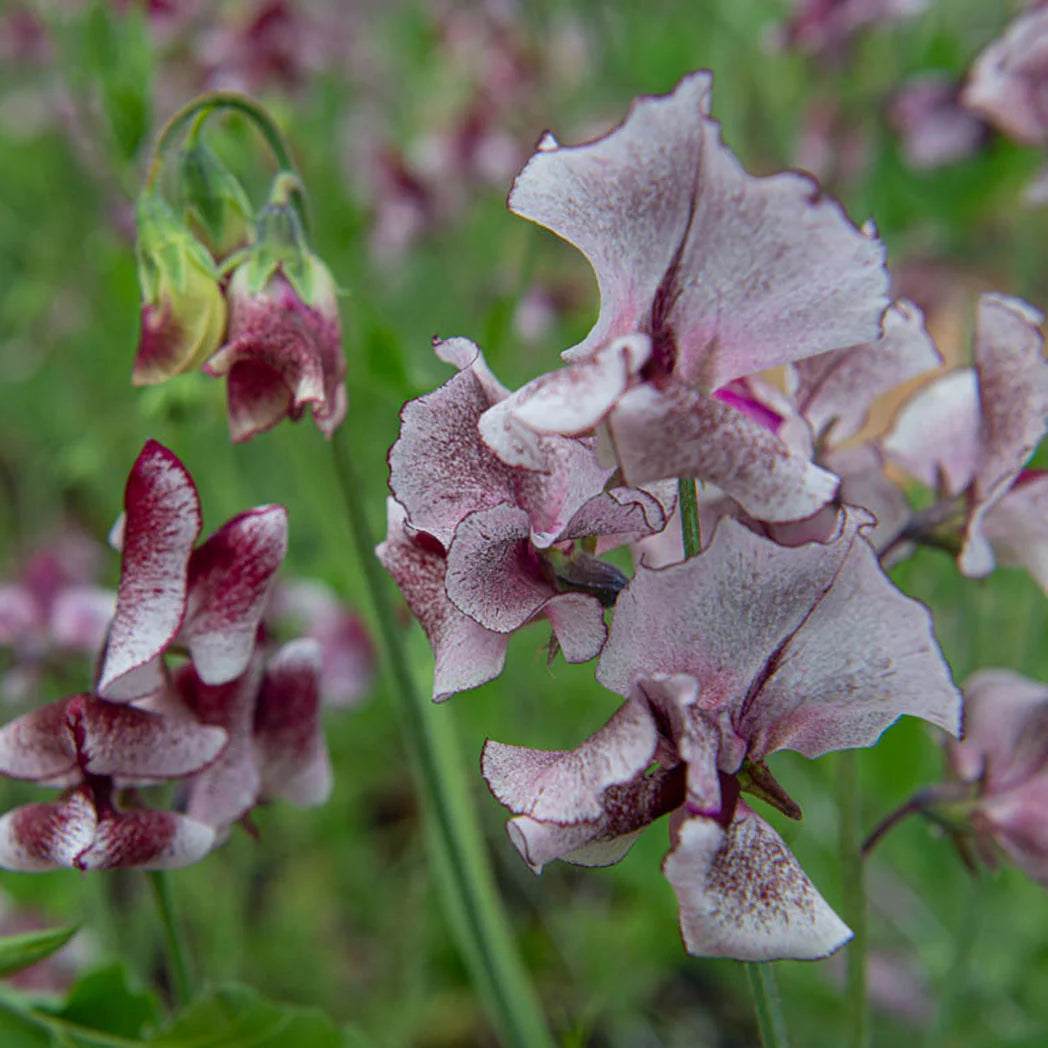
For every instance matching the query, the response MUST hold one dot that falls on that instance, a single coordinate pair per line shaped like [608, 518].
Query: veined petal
[742, 894]
[466, 654]
[742, 273]
[146, 840]
[230, 577]
[677, 431]
[838, 388]
[162, 524]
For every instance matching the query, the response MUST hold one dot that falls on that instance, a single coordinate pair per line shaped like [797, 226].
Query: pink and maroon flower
[968, 435]
[725, 659]
[283, 354]
[208, 600]
[707, 275]
[483, 548]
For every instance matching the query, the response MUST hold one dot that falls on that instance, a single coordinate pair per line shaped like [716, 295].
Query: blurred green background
[408, 121]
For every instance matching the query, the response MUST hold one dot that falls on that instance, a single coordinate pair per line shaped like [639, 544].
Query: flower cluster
[783, 633]
[186, 691]
[252, 305]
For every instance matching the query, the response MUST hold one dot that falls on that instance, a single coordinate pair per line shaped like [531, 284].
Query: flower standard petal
[230, 577]
[162, 524]
[289, 737]
[677, 431]
[745, 272]
[467, 655]
[742, 894]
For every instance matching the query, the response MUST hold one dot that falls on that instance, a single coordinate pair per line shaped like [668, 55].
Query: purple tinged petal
[1013, 399]
[621, 516]
[679, 432]
[578, 624]
[146, 840]
[80, 617]
[935, 437]
[864, 484]
[466, 654]
[440, 470]
[163, 522]
[1017, 527]
[230, 577]
[567, 786]
[39, 837]
[742, 894]
[19, 613]
[810, 648]
[1018, 820]
[838, 388]
[744, 273]
[1005, 730]
[289, 736]
[582, 845]
[39, 746]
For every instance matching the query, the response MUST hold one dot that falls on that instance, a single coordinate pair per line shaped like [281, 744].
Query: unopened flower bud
[215, 205]
[183, 310]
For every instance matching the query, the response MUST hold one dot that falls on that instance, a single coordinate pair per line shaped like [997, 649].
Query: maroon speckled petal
[230, 577]
[289, 736]
[146, 840]
[38, 837]
[742, 894]
[466, 654]
[162, 524]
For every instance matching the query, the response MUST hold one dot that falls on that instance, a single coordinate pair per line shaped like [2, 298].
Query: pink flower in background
[707, 275]
[827, 26]
[52, 610]
[208, 600]
[933, 127]
[725, 659]
[497, 545]
[968, 435]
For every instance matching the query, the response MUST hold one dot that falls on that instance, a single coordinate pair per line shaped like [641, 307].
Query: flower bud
[215, 206]
[284, 350]
[183, 311]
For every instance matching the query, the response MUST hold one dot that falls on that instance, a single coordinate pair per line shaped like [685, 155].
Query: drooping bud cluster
[244, 298]
[188, 689]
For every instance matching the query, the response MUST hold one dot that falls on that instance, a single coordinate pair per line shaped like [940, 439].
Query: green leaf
[235, 1016]
[20, 951]
[104, 1000]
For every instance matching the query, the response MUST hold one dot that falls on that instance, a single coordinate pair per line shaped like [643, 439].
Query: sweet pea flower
[707, 276]
[724, 659]
[1003, 760]
[968, 434]
[94, 748]
[933, 127]
[208, 600]
[478, 540]
[827, 26]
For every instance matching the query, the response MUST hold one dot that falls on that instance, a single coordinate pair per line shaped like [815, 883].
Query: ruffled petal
[676, 431]
[839, 388]
[742, 894]
[740, 273]
[230, 577]
[162, 524]
[466, 654]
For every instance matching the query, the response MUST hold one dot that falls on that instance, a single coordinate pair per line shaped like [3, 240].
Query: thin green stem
[689, 516]
[767, 1005]
[766, 1001]
[853, 897]
[174, 941]
[199, 110]
[474, 910]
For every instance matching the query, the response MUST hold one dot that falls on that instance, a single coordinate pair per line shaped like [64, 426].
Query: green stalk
[853, 907]
[464, 877]
[199, 110]
[174, 941]
[766, 1000]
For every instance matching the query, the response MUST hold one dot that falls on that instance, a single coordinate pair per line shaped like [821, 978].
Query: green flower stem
[767, 1005]
[174, 940]
[464, 875]
[199, 110]
[770, 1020]
[853, 907]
